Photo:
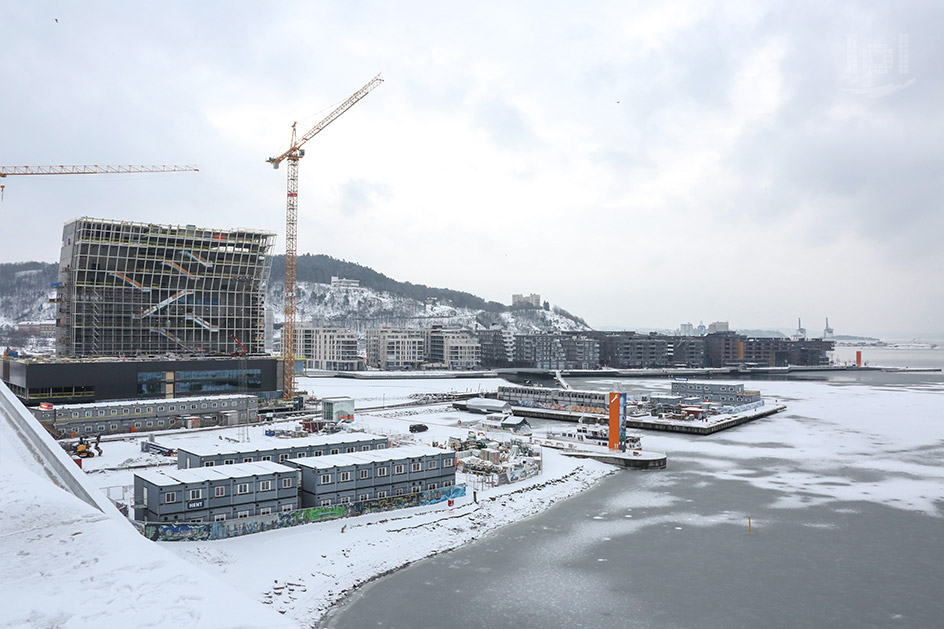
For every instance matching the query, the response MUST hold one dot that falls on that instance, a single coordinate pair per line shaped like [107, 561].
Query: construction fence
[203, 531]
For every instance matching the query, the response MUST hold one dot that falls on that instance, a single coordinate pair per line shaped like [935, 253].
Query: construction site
[128, 288]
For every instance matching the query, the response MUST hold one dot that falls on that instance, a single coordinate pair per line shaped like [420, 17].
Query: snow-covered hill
[362, 308]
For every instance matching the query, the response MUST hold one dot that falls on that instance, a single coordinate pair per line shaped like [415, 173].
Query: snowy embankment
[64, 563]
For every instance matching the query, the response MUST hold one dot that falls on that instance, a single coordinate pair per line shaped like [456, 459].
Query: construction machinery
[292, 155]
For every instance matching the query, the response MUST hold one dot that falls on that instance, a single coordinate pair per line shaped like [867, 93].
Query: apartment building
[393, 349]
[327, 348]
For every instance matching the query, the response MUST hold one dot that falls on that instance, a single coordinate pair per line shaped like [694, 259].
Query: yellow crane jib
[93, 169]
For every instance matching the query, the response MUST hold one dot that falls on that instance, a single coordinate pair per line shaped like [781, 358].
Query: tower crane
[90, 170]
[294, 153]
[93, 169]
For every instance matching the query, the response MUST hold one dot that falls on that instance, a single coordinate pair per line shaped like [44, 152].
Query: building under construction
[127, 289]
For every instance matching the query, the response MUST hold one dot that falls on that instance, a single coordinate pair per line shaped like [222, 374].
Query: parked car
[418, 427]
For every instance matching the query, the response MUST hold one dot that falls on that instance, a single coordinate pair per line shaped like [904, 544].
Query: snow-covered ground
[834, 443]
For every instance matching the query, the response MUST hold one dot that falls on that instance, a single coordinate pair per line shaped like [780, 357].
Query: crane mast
[292, 155]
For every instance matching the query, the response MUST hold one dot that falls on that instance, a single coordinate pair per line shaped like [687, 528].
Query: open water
[674, 548]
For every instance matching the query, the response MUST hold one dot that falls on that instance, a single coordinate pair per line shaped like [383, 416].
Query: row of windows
[382, 471]
[221, 517]
[160, 409]
[286, 455]
[170, 497]
[415, 489]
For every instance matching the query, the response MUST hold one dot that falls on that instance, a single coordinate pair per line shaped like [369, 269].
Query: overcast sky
[639, 164]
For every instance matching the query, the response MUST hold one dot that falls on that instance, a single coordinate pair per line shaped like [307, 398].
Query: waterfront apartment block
[327, 348]
[225, 453]
[145, 415]
[556, 351]
[393, 349]
[127, 289]
[72, 381]
[454, 349]
[347, 478]
[213, 494]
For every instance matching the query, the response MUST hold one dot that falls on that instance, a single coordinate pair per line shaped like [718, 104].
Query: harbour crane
[294, 153]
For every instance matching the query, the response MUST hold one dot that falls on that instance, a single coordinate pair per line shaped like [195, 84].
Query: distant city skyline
[632, 163]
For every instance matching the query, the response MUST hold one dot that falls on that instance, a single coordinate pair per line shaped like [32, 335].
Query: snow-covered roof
[209, 448]
[172, 476]
[153, 401]
[367, 456]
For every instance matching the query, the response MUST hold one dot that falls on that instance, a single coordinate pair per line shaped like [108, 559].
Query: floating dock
[702, 427]
[634, 459]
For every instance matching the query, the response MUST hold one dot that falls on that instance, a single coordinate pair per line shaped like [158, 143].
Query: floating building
[138, 288]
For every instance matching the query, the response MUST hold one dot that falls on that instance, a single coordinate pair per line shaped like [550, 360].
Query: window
[137, 411]
[172, 408]
[247, 459]
[416, 467]
[381, 471]
[289, 507]
[398, 469]
[345, 476]
[170, 497]
[365, 473]
[265, 485]
[242, 488]
[349, 450]
[302, 455]
[88, 413]
[113, 426]
[101, 413]
[345, 500]
[160, 409]
[224, 404]
[196, 494]
[228, 461]
[318, 453]
[219, 517]
[283, 457]
[101, 427]
[431, 486]
[124, 411]
[149, 423]
[265, 510]
[160, 422]
[432, 465]
[242, 514]
[325, 503]
[365, 448]
[399, 492]
[325, 479]
[363, 497]
[415, 489]
[75, 413]
[113, 411]
[88, 429]
[447, 483]
[219, 492]
[150, 409]
[334, 451]
[381, 494]
[286, 483]
[137, 424]
[209, 463]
